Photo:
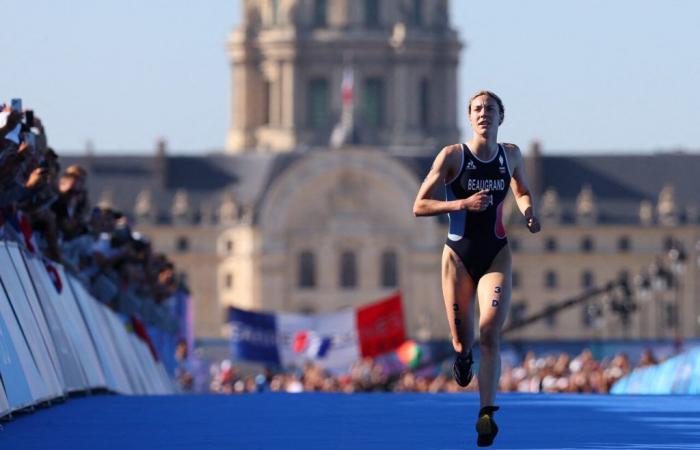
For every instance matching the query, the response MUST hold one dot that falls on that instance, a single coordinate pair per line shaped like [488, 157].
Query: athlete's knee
[489, 337]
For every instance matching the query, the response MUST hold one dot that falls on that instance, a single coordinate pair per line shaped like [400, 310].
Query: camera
[29, 118]
[16, 104]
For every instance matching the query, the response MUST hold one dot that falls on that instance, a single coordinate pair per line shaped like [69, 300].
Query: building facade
[282, 220]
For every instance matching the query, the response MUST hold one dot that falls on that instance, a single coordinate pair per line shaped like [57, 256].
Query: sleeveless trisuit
[477, 237]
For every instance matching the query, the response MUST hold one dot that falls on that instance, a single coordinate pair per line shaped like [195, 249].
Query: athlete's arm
[445, 166]
[521, 191]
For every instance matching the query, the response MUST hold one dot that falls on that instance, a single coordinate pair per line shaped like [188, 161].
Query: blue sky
[582, 76]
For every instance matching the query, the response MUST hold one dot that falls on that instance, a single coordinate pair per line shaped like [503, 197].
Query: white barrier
[29, 321]
[115, 375]
[30, 373]
[4, 406]
[73, 374]
[73, 329]
[55, 338]
[40, 319]
[17, 391]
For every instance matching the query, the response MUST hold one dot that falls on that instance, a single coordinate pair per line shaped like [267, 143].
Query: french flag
[333, 341]
[347, 87]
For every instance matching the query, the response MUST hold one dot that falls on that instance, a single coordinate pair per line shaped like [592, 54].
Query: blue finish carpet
[359, 421]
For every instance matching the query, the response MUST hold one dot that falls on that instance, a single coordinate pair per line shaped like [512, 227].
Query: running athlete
[476, 258]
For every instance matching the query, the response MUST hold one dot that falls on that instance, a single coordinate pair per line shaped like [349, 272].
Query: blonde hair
[76, 171]
[493, 96]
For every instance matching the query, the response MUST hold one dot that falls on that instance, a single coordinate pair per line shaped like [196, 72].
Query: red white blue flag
[333, 341]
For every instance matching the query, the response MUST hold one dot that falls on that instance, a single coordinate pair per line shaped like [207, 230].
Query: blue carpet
[360, 421]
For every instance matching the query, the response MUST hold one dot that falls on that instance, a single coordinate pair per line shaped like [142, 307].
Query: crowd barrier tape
[678, 375]
[57, 339]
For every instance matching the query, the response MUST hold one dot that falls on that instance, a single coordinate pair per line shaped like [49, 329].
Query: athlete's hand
[533, 224]
[478, 202]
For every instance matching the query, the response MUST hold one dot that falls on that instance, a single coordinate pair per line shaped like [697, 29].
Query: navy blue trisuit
[477, 236]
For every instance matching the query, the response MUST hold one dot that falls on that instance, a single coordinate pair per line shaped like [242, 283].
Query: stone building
[282, 220]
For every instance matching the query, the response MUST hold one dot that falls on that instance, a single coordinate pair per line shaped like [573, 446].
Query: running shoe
[486, 426]
[462, 369]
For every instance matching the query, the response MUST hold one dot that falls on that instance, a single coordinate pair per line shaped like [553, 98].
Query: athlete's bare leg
[493, 291]
[458, 291]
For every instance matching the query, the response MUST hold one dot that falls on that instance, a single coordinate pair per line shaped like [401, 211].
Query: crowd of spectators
[549, 374]
[46, 209]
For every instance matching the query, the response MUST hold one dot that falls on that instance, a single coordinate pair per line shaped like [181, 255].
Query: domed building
[338, 108]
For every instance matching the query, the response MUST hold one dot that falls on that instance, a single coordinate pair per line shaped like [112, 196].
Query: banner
[677, 375]
[333, 341]
[381, 327]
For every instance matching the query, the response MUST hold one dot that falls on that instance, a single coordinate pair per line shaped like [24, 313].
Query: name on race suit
[480, 185]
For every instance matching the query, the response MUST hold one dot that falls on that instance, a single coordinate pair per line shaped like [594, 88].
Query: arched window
[371, 13]
[550, 279]
[390, 269]
[587, 279]
[373, 102]
[266, 99]
[424, 104]
[274, 11]
[228, 281]
[517, 311]
[550, 315]
[587, 244]
[306, 270]
[320, 13]
[417, 12]
[318, 108]
[182, 244]
[348, 270]
[623, 244]
[550, 245]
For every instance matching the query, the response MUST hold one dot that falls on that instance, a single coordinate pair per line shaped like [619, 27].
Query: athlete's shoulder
[510, 148]
[448, 159]
[512, 153]
[450, 149]
[449, 153]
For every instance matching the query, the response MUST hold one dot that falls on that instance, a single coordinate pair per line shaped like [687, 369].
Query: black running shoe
[486, 426]
[462, 369]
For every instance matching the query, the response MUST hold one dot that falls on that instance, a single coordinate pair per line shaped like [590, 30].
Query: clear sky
[582, 76]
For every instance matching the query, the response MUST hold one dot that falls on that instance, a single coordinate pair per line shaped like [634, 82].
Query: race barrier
[56, 339]
[677, 375]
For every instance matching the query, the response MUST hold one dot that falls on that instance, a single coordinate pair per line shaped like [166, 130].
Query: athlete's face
[484, 115]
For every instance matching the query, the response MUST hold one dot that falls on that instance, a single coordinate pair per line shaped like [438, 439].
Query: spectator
[47, 214]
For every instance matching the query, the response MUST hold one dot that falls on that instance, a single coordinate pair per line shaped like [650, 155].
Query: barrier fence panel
[166, 344]
[141, 354]
[37, 387]
[55, 338]
[151, 369]
[18, 394]
[74, 377]
[96, 336]
[41, 320]
[4, 405]
[29, 324]
[73, 325]
[168, 384]
[677, 375]
[112, 366]
[127, 342]
[118, 333]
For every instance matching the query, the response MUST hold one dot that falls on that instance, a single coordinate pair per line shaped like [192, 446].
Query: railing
[56, 339]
